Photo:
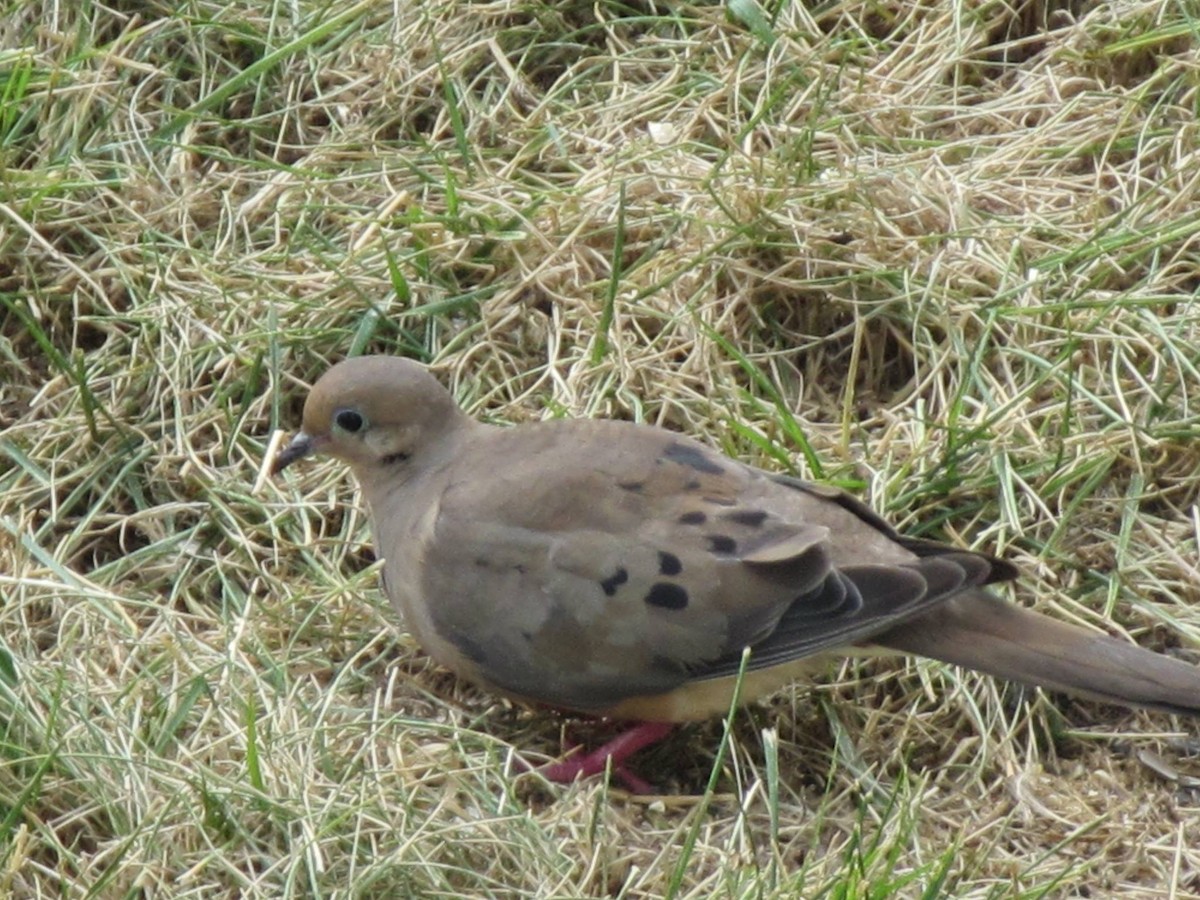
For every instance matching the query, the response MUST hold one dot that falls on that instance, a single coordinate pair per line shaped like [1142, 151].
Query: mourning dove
[619, 570]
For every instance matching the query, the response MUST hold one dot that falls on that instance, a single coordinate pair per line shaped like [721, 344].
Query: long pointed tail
[983, 632]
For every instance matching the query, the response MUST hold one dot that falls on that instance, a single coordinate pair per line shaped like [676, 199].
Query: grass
[942, 254]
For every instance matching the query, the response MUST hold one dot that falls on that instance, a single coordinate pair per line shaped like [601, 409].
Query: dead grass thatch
[945, 254]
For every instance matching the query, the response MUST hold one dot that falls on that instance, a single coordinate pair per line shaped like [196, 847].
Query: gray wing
[654, 562]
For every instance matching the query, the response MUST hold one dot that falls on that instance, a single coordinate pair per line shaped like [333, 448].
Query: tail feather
[980, 631]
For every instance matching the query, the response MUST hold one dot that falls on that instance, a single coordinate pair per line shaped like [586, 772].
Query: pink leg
[619, 749]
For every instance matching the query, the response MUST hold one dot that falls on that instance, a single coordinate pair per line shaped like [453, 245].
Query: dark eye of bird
[348, 420]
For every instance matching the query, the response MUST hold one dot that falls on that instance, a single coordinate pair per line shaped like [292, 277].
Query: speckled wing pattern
[653, 562]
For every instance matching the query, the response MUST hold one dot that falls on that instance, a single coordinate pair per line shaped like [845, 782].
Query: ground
[942, 254]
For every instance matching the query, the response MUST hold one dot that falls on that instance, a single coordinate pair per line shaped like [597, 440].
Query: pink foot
[619, 749]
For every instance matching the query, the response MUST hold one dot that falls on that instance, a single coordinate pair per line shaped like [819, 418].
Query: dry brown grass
[943, 253]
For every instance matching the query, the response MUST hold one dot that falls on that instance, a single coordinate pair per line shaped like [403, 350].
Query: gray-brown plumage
[619, 569]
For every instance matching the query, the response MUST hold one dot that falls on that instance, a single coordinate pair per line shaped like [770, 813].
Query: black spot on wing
[752, 518]
[722, 544]
[998, 569]
[667, 596]
[668, 563]
[693, 458]
[610, 584]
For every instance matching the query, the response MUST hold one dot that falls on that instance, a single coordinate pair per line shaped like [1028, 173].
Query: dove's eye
[349, 421]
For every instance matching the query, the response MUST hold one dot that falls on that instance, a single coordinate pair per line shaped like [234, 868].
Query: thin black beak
[301, 446]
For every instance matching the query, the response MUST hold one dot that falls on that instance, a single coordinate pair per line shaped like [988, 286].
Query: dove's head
[373, 410]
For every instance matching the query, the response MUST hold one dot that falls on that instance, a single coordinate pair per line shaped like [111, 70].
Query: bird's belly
[704, 699]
